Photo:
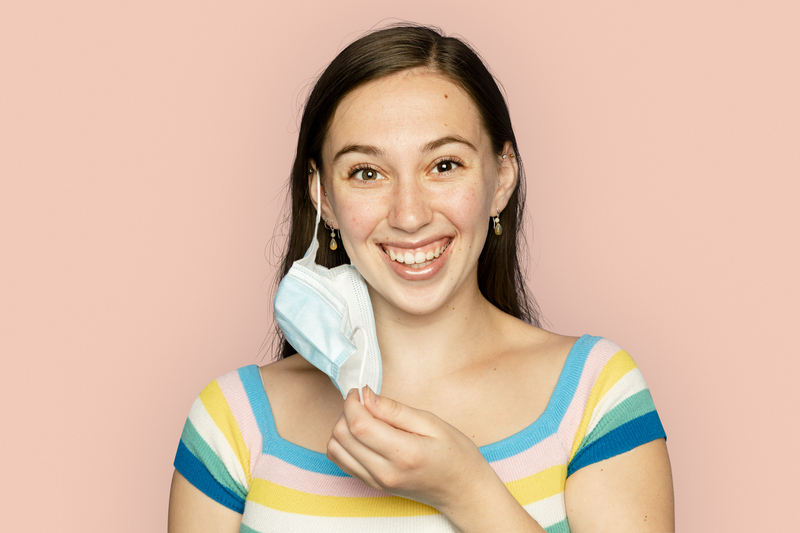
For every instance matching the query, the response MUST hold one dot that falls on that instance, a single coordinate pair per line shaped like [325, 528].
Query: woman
[484, 421]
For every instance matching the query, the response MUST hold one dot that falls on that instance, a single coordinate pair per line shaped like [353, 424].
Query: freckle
[445, 96]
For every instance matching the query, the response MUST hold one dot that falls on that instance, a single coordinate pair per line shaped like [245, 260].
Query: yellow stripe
[527, 490]
[616, 368]
[294, 501]
[539, 486]
[219, 410]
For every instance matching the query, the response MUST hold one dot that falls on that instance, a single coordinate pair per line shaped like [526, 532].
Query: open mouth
[417, 257]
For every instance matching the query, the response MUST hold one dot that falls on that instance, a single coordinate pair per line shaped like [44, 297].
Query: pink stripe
[549, 452]
[600, 354]
[285, 474]
[236, 396]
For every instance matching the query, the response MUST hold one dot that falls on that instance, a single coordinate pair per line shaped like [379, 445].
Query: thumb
[398, 415]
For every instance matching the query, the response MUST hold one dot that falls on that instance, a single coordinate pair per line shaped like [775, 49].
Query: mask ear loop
[314, 245]
[363, 365]
[319, 205]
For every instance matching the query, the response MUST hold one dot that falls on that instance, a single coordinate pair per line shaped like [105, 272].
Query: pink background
[143, 150]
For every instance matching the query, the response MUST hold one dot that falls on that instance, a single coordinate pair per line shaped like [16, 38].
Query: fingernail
[372, 396]
[351, 391]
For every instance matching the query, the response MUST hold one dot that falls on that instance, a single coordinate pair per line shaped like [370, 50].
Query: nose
[410, 207]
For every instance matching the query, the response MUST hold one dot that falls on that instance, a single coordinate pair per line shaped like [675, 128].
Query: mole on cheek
[445, 96]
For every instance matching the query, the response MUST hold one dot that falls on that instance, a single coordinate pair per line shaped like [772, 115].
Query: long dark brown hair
[381, 53]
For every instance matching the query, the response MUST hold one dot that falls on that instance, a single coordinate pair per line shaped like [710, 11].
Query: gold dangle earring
[333, 244]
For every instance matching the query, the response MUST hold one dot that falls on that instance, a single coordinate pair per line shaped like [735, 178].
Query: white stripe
[266, 520]
[549, 511]
[208, 429]
[627, 386]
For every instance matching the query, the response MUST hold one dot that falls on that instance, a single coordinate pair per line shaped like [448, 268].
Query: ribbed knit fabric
[231, 451]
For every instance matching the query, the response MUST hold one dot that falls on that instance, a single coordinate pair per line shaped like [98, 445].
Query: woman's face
[411, 182]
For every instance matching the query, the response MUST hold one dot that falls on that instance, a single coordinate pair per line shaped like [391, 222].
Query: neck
[421, 349]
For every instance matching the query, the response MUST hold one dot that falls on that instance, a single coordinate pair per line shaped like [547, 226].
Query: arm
[212, 463]
[191, 511]
[631, 492]
[414, 454]
[619, 473]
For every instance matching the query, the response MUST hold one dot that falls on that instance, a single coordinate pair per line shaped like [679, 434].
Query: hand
[406, 452]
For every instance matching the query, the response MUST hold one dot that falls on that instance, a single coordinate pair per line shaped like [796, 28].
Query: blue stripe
[257, 396]
[305, 458]
[540, 429]
[273, 443]
[550, 419]
[628, 436]
[198, 475]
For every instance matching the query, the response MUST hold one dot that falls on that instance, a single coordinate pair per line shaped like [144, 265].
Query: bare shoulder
[534, 347]
[540, 356]
[305, 404]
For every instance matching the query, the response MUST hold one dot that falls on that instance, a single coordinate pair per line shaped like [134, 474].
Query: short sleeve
[214, 453]
[619, 416]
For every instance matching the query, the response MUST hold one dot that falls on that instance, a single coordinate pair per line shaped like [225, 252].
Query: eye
[446, 165]
[365, 174]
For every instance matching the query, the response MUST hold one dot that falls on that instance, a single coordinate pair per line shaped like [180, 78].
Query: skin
[445, 349]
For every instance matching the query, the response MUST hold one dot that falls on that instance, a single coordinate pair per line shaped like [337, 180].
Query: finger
[356, 431]
[366, 437]
[349, 464]
[399, 415]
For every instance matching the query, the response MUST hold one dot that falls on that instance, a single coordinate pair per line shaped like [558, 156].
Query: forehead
[404, 111]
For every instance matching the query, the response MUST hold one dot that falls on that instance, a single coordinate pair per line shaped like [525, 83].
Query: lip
[418, 274]
[417, 244]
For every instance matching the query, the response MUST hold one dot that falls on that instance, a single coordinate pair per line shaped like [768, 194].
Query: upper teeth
[420, 257]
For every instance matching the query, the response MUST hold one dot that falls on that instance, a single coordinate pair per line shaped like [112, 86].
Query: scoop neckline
[542, 427]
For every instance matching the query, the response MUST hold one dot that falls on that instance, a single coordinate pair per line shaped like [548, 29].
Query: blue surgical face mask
[326, 315]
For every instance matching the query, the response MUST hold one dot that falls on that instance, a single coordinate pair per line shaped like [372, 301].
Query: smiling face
[411, 181]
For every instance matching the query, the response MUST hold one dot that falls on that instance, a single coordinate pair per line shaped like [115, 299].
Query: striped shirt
[231, 451]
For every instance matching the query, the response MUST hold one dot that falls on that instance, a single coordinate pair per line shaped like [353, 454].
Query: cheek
[466, 206]
[357, 217]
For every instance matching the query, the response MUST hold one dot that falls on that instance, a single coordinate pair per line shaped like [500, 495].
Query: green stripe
[200, 449]
[632, 407]
[244, 529]
[558, 527]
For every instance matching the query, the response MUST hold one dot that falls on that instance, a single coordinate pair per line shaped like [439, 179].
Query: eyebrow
[374, 150]
[438, 143]
[359, 149]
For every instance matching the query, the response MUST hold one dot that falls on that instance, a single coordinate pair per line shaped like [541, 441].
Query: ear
[507, 175]
[327, 210]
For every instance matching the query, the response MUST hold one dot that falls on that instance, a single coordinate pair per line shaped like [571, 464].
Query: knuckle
[340, 430]
[358, 427]
[388, 479]
[406, 462]
[395, 409]
[331, 449]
